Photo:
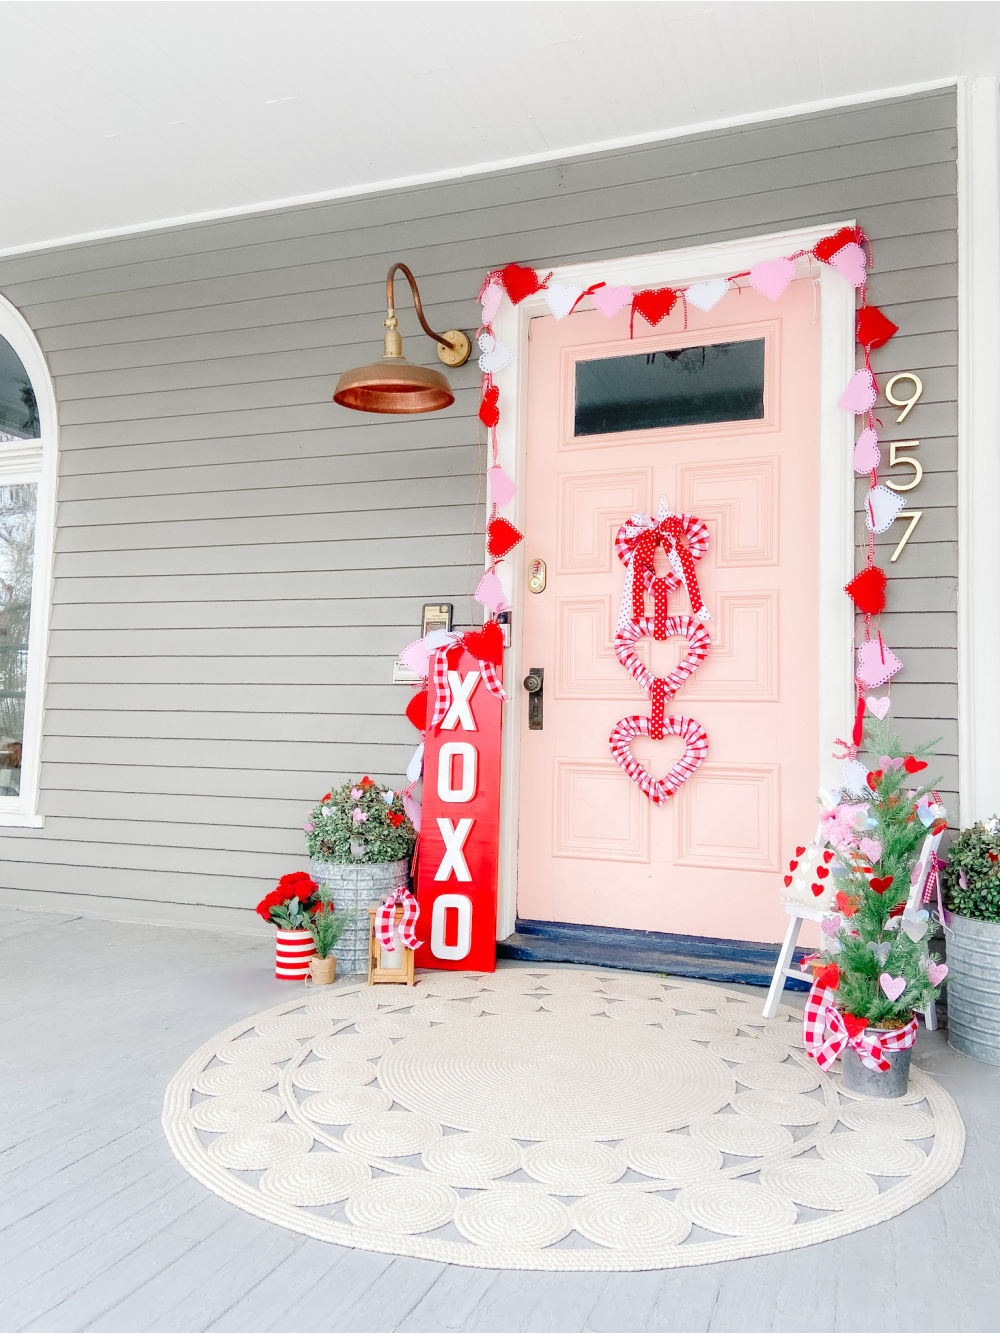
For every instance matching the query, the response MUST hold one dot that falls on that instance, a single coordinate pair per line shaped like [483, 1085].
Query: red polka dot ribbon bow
[385, 920]
[826, 1031]
[684, 538]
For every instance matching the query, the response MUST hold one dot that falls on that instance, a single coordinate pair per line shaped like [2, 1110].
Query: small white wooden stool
[799, 912]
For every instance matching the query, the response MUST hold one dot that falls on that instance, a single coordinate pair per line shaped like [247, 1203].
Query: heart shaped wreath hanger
[685, 627]
[659, 790]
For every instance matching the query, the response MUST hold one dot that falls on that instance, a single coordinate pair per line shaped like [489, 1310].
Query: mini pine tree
[880, 952]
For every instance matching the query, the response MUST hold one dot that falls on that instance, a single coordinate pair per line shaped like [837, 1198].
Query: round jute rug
[559, 1120]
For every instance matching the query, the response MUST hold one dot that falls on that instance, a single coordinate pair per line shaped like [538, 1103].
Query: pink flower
[359, 816]
[356, 793]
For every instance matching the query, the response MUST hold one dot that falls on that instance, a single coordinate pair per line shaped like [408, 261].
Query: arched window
[27, 506]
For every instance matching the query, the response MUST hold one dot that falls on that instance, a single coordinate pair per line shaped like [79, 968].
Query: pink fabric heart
[609, 300]
[492, 297]
[870, 847]
[850, 263]
[892, 986]
[707, 295]
[830, 925]
[860, 394]
[490, 594]
[867, 454]
[356, 793]
[359, 816]
[885, 762]
[413, 810]
[876, 664]
[770, 277]
[502, 489]
[415, 656]
[878, 707]
[936, 973]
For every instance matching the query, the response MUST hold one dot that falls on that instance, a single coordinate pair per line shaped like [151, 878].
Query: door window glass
[682, 386]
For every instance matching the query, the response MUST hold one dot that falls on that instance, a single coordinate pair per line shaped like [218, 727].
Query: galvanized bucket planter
[892, 1082]
[354, 888]
[974, 987]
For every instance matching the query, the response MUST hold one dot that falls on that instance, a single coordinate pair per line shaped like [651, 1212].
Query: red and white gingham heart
[676, 627]
[659, 790]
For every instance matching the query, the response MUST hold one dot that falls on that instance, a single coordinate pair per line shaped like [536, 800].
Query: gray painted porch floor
[101, 1230]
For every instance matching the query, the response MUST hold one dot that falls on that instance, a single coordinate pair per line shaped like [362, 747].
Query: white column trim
[978, 447]
[836, 486]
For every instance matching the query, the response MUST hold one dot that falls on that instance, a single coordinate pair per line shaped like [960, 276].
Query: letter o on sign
[462, 905]
[468, 765]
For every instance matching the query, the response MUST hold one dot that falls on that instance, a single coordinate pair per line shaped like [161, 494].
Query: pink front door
[591, 848]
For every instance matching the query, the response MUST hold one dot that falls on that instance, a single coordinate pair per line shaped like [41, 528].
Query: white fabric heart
[561, 297]
[496, 355]
[388, 797]
[881, 508]
[854, 779]
[706, 295]
[416, 765]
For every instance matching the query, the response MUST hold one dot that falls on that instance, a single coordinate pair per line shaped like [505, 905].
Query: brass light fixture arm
[454, 346]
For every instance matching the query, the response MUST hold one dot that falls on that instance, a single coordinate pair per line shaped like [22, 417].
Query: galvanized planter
[354, 888]
[891, 1082]
[974, 988]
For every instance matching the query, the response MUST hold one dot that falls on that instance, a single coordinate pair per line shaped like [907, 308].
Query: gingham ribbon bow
[635, 544]
[825, 1034]
[441, 662]
[385, 920]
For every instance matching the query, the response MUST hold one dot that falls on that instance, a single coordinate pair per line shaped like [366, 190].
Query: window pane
[685, 386]
[17, 549]
[18, 409]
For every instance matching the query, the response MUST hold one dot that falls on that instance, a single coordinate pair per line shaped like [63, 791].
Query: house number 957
[899, 458]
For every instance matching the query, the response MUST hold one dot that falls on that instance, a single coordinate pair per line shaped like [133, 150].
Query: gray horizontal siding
[237, 561]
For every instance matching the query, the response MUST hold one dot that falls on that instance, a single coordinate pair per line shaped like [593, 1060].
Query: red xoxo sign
[457, 874]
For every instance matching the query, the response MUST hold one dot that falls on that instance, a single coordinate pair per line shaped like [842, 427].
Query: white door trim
[836, 482]
[978, 454]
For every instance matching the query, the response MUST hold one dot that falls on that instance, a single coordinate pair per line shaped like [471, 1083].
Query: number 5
[895, 460]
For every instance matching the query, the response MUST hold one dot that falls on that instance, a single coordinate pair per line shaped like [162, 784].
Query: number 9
[907, 404]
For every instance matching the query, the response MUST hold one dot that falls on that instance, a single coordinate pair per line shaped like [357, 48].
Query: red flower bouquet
[289, 905]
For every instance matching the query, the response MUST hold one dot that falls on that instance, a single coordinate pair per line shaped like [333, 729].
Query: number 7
[913, 518]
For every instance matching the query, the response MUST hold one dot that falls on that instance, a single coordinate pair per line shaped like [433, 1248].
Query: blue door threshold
[743, 961]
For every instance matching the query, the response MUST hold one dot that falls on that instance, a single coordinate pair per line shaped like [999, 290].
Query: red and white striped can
[292, 951]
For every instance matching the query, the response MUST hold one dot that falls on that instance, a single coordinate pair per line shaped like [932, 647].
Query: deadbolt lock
[536, 576]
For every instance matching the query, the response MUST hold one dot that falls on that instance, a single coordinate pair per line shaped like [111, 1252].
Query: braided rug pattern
[562, 1121]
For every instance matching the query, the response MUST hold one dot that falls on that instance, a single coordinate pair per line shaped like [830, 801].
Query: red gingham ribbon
[659, 790]
[441, 662]
[684, 537]
[385, 920]
[825, 1034]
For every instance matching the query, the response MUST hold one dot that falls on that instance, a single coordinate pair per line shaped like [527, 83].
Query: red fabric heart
[875, 778]
[799, 851]
[416, 709]
[867, 590]
[828, 976]
[828, 856]
[845, 904]
[912, 764]
[855, 1026]
[519, 282]
[793, 865]
[501, 537]
[788, 880]
[879, 884]
[489, 412]
[822, 872]
[874, 329]
[654, 305]
[829, 245]
[486, 644]
[817, 889]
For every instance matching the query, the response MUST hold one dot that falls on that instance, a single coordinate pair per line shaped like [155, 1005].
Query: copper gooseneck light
[393, 384]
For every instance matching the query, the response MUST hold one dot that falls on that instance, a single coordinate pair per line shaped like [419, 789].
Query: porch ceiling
[120, 116]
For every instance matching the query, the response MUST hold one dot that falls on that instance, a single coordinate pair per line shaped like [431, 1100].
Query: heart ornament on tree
[878, 707]
[659, 790]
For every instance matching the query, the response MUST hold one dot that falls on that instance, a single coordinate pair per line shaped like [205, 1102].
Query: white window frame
[33, 461]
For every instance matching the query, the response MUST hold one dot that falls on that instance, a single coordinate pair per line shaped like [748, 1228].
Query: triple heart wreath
[849, 253]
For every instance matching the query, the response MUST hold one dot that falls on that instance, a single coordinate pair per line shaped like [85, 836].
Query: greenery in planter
[326, 925]
[359, 823]
[878, 947]
[289, 905]
[971, 880]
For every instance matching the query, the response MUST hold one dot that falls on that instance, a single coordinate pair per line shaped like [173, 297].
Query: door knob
[533, 683]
